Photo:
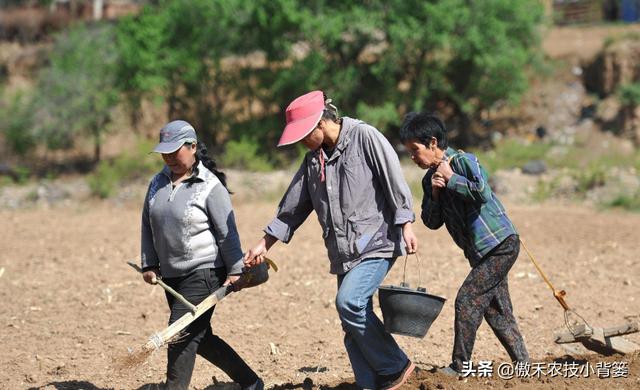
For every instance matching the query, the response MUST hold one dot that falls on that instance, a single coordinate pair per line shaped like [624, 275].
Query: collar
[199, 174]
[450, 152]
[343, 139]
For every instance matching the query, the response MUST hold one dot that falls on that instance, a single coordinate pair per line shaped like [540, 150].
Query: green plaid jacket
[472, 213]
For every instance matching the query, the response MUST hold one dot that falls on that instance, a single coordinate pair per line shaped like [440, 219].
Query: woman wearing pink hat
[351, 177]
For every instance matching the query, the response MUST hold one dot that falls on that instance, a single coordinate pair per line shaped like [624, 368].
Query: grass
[545, 189]
[612, 39]
[629, 202]
[629, 94]
[511, 153]
[589, 178]
[584, 168]
[515, 153]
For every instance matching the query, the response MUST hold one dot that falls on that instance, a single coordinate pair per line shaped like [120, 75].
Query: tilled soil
[71, 306]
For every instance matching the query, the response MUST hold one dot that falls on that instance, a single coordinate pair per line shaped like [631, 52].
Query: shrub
[544, 189]
[629, 94]
[17, 123]
[626, 201]
[77, 91]
[589, 178]
[134, 164]
[376, 59]
[244, 154]
[103, 182]
[22, 174]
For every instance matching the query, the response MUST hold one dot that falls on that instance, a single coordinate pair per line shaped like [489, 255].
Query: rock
[614, 65]
[608, 110]
[541, 132]
[534, 167]
[631, 125]
[588, 111]
[50, 193]
[497, 185]
[577, 71]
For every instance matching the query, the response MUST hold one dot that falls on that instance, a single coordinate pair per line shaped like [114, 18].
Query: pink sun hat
[302, 115]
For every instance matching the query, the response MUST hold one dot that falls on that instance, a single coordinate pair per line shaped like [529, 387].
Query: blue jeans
[371, 349]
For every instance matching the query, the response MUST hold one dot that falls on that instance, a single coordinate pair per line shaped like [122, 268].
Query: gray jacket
[361, 205]
[189, 227]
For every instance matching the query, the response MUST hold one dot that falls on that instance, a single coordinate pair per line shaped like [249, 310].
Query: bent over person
[351, 178]
[457, 195]
[190, 239]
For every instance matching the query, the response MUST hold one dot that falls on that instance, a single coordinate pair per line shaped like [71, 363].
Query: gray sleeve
[294, 207]
[223, 224]
[148, 255]
[386, 167]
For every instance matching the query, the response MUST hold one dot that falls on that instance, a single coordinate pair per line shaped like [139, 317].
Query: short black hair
[422, 126]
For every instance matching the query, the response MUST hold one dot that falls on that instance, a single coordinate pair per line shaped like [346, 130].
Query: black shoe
[394, 381]
[257, 385]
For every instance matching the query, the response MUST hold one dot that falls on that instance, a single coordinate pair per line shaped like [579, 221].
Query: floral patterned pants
[485, 293]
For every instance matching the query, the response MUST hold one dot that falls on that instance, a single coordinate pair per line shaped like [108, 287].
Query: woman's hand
[410, 240]
[233, 279]
[256, 254]
[445, 170]
[438, 181]
[437, 184]
[151, 276]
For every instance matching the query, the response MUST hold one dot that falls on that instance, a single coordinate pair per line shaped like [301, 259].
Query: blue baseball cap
[175, 134]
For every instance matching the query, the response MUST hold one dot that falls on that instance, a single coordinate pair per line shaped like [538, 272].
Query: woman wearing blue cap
[190, 239]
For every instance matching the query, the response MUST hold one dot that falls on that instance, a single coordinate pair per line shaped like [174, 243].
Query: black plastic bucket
[407, 311]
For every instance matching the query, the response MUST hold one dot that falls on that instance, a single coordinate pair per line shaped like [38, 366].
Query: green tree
[77, 92]
[414, 55]
[231, 66]
[16, 125]
[188, 53]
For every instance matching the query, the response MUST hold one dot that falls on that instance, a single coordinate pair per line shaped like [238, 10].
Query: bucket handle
[404, 272]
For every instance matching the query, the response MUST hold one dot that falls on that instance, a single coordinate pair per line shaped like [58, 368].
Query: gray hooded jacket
[189, 227]
[362, 203]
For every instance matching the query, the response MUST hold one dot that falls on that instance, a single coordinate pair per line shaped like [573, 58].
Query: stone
[534, 167]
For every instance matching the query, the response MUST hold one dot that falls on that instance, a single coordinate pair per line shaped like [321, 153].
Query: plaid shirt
[470, 210]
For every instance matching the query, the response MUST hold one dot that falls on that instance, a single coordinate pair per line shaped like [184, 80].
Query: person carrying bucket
[457, 194]
[351, 177]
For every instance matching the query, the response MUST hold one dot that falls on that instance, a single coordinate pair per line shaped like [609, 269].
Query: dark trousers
[198, 336]
[485, 293]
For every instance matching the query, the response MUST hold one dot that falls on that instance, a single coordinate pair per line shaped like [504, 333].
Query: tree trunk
[97, 9]
[463, 124]
[97, 146]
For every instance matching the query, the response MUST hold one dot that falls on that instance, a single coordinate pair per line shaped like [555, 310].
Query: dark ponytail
[330, 111]
[210, 164]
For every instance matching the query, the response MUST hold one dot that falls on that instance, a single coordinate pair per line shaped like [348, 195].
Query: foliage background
[231, 66]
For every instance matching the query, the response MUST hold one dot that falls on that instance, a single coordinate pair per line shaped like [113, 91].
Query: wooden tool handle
[560, 297]
[167, 288]
[158, 339]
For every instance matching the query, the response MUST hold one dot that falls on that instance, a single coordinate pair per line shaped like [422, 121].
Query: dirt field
[70, 304]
